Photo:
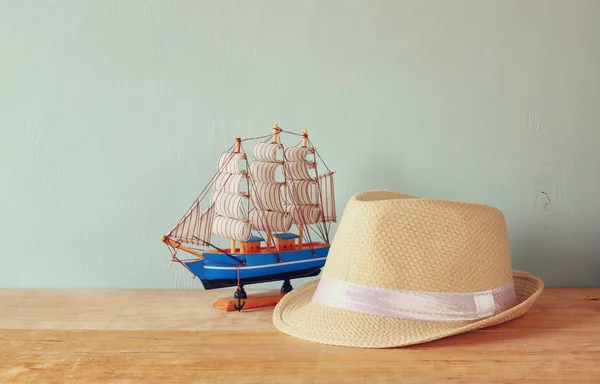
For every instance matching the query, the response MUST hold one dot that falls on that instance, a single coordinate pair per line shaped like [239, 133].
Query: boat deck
[263, 250]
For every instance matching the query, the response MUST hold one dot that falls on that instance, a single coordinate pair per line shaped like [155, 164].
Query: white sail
[299, 170]
[267, 151]
[304, 214]
[327, 194]
[231, 228]
[229, 162]
[267, 196]
[270, 221]
[194, 227]
[264, 171]
[228, 201]
[297, 153]
[302, 192]
[301, 197]
[266, 192]
[204, 228]
[228, 182]
[228, 204]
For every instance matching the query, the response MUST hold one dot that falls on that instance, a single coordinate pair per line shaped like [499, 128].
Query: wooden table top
[156, 336]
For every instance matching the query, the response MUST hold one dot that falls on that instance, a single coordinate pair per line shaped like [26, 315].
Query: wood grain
[126, 336]
[249, 303]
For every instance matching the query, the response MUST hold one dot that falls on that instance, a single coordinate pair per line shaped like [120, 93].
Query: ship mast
[275, 141]
[301, 226]
[238, 145]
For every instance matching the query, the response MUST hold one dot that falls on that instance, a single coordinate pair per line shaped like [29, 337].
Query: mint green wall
[112, 114]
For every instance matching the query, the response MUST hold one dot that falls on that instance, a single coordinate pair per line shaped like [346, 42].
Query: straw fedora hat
[406, 270]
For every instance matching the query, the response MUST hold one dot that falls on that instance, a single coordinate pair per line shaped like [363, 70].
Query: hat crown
[396, 241]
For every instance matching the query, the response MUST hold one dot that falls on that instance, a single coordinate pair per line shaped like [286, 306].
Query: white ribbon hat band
[414, 305]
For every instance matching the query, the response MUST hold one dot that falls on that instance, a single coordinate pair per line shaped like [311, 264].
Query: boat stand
[241, 301]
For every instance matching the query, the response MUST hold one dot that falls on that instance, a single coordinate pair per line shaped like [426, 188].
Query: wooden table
[154, 336]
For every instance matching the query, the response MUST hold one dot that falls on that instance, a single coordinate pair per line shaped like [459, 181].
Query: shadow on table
[553, 313]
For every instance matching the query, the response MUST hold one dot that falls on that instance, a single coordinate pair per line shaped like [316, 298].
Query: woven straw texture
[391, 240]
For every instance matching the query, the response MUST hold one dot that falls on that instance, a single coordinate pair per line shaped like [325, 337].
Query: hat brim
[297, 316]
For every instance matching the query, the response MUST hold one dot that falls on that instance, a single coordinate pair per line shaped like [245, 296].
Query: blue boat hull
[218, 270]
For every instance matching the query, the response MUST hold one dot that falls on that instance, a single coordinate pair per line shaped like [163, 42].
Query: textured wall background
[113, 113]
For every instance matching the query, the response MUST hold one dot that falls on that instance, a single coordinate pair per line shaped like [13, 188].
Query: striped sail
[229, 162]
[267, 152]
[268, 196]
[228, 182]
[297, 153]
[304, 214]
[268, 213]
[227, 200]
[326, 194]
[231, 228]
[263, 171]
[301, 193]
[228, 204]
[270, 221]
[194, 227]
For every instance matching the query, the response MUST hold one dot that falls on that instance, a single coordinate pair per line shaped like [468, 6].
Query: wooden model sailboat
[257, 211]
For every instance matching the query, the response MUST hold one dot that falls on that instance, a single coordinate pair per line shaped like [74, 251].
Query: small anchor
[240, 304]
[240, 294]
